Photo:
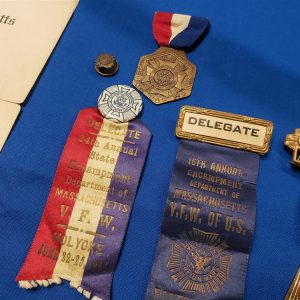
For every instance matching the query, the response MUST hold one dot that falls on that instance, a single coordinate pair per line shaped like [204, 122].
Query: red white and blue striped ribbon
[176, 30]
[85, 219]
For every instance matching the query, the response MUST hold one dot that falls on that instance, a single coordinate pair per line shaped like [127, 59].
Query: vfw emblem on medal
[202, 266]
[120, 103]
[165, 75]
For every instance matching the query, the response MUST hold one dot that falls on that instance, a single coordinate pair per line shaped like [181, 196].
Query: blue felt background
[249, 63]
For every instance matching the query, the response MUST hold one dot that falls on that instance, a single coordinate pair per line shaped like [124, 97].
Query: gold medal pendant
[165, 75]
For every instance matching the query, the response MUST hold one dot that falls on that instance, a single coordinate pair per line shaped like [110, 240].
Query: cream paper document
[29, 30]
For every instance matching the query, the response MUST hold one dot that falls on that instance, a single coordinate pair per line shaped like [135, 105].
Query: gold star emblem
[166, 75]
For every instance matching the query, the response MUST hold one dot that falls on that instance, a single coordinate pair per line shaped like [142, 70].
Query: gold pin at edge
[292, 141]
[294, 290]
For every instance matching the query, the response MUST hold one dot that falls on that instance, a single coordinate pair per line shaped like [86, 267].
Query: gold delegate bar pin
[224, 129]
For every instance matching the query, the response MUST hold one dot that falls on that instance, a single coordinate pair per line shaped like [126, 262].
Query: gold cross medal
[167, 75]
[292, 141]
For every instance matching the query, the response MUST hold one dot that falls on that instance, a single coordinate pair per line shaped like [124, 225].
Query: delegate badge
[167, 75]
[89, 204]
[209, 217]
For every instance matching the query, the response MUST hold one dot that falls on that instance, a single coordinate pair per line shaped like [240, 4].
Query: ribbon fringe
[84, 292]
[30, 284]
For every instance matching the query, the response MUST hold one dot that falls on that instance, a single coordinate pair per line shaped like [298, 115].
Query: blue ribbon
[208, 224]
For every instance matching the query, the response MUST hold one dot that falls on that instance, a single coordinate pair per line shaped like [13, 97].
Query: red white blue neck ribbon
[176, 30]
